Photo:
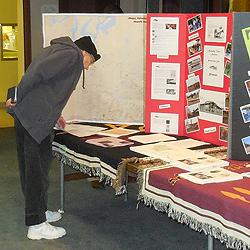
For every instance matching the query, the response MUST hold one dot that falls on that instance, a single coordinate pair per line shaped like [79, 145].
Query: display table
[181, 201]
[202, 207]
[93, 160]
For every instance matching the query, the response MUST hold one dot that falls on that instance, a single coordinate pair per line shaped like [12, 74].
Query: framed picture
[8, 34]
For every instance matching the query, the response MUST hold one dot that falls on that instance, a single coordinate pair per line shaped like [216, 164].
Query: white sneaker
[45, 231]
[52, 216]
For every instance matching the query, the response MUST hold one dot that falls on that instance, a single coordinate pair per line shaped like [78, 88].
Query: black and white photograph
[194, 64]
[188, 161]
[171, 77]
[170, 91]
[246, 144]
[194, 47]
[216, 29]
[170, 26]
[192, 125]
[212, 104]
[192, 111]
[193, 83]
[193, 97]
[194, 23]
[245, 112]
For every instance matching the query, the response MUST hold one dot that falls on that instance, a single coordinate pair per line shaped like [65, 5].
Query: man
[41, 96]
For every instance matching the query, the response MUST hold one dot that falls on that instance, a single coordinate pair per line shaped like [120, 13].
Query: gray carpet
[94, 218]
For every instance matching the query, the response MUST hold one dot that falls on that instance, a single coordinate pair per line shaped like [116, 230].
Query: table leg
[210, 243]
[126, 186]
[61, 210]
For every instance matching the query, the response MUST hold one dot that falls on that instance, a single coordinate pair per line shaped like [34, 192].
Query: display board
[114, 86]
[188, 75]
[239, 131]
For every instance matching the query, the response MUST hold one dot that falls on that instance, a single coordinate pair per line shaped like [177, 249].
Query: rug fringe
[231, 242]
[91, 171]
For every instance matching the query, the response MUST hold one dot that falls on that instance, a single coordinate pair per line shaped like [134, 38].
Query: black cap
[85, 43]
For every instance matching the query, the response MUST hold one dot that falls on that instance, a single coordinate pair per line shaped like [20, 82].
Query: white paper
[187, 143]
[215, 175]
[82, 130]
[164, 106]
[198, 162]
[193, 36]
[210, 130]
[117, 132]
[164, 151]
[247, 174]
[164, 123]
[165, 81]
[213, 70]
[216, 29]
[164, 36]
[109, 142]
[151, 138]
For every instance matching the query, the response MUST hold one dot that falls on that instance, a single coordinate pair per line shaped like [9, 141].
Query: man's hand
[9, 104]
[61, 123]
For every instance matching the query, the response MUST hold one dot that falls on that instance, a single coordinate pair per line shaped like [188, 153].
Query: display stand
[188, 75]
[239, 132]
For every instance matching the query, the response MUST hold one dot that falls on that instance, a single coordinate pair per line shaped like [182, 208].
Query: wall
[131, 6]
[37, 7]
[20, 40]
[239, 6]
[8, 69]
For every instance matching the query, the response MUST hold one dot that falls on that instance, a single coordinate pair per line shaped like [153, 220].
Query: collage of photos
[203, 104]
[202, 68]
[227, 70]
[193, 101]
[245, 113]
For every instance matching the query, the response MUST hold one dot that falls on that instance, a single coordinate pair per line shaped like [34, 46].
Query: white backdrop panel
[114, 86]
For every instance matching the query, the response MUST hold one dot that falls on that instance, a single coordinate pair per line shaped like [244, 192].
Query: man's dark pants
[34, 160]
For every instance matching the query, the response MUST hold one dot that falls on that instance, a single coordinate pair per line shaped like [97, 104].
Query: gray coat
[47, 85]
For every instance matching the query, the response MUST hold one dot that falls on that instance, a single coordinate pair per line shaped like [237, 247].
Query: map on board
[114, 85]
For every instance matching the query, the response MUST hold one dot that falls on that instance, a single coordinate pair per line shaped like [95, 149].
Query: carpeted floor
[94, 218]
